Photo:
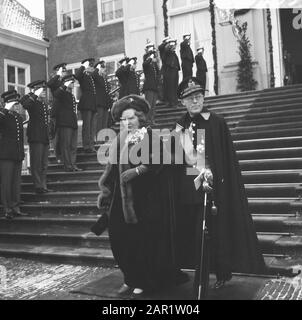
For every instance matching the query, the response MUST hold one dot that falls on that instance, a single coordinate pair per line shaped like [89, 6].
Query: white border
[63, 33]
[102, 24]
[18, 65]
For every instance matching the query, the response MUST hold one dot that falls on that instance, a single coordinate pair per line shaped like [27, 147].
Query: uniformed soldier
[11, 153]
[38, 133]
[187, 56]
[59, 71]
[152, 77]
[66, 119]
[88, 102]
[104, 100]
[170, 73]
[202, 68]
[129, 79]
[122, 76]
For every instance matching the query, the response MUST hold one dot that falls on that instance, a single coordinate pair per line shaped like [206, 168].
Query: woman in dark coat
[141, 214]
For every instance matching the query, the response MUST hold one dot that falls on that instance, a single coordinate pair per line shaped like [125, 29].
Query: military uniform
[103, 102]
[38, 137]
[170, 76]
[151, 84]
[11, 156]
[187, 59]
[87, 105]
[66, 122]
[202, 70]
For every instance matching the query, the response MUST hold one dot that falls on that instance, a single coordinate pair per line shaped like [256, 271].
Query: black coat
[186, 53]
[65, 115]
[152, 75]
[129, 81]
[202, 69]
[103, 89]
[88, 100]
[37, 129]
[170, 60]
[11, 136]
[54, 83]
[234, 242]
[121, 74]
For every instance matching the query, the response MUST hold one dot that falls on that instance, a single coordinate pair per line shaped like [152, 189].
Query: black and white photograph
[150, 152]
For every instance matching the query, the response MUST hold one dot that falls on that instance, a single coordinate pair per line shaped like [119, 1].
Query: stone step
[268, 223]
[81, 157]
[274, 126]
[87, 166]
[270, 244]
[273, 190]
[277, 206]
[270, 121]
[68, 176]
[62, 197]
[272, 176]
[271, 164]
[62, 186]
[59, 254]
[268, 143]
[63, 208]
[286, 153]
[265, 134]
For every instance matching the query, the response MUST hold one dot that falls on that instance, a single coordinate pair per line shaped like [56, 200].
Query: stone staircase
[266, 127]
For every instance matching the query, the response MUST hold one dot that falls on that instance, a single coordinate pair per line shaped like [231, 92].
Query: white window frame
[101, 23]
[63, 33]
[16, 64]
[189, 7]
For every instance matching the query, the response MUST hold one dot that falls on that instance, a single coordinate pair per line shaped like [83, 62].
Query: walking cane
[202, 247]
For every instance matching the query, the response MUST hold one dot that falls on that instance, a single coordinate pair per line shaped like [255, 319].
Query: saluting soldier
[122, 77]
[59, 72]
[170, 73]
[202, 68]
[38, 133]
[152, 76]
[66, 119]
[104, 100]
[187, 56]
[88, 101]
[11, 153]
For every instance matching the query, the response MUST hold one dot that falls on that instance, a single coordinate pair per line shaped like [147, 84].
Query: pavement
[32, 280]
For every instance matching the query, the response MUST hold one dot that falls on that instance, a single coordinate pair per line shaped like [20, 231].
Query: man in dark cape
[233, 243]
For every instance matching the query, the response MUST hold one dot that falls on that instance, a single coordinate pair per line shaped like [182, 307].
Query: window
[110, 11]
[17, 76]
[176, 4]
[70, 16]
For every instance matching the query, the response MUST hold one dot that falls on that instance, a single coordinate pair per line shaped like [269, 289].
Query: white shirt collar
[206, 115]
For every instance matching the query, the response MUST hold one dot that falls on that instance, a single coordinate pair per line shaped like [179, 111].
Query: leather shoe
[20, 214]
[47, 190]
[101, 225]
[77, 169]
[125, 290]
[69, 170]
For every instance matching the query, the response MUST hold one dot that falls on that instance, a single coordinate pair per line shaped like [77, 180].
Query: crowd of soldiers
[60, 121]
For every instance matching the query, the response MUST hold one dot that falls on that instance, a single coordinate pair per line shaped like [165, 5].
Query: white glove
[86, 64]
[9, 105]
[60, 72]
[131, 62]
[68, 83]
[39, 91]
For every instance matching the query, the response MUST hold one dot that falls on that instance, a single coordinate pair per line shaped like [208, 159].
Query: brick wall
[94, 41]
[37, 62]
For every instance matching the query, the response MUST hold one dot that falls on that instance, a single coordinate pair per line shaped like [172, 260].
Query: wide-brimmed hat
[129, 102]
